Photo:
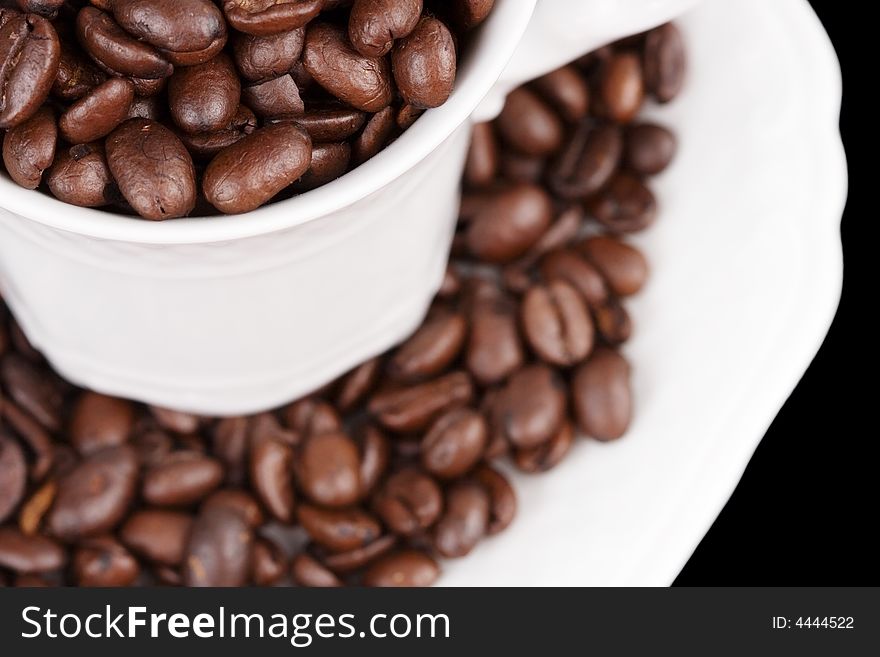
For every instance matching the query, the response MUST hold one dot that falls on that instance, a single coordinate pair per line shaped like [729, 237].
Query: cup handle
[562, 30]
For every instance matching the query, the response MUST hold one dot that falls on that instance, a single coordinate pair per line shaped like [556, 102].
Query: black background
[806, 509]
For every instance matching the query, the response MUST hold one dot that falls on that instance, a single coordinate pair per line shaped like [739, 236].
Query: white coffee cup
[230, 315]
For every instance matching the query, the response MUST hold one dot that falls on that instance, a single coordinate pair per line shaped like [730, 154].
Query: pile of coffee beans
[172, 108]
[374, 478]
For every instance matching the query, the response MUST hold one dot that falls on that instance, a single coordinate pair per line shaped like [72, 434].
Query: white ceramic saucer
[747, 274]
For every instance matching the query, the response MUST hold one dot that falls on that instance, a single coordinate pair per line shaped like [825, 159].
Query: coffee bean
[374, 137]
[207, 145]
[98, 113]
[187, 32]
[308, 571]
[527, 124]
[271, 464]
[431, 349]
[29, 554]
[622, 87]
[375, 453]
[33, 435]
[329, 162]
[332, 123]
[13, 476]
[601, 395]
[48, 8]
[112, 47]
[274, 98]
[465, 520]
[665, 62]
[251, 171]
[269, 563]
[531, 407]
[329, 470]
[623, 266]
[262, 58]
[567, 91]
[99, 421]
[373, 25]
[29, 57]
[34, 509]
[157, 535]
[502, 498]
[80, 176]
[29, 148]
[219, 550]
[470, 13]
[348, 562]
[414, 407]
[36, 393]
[569, 266]
[407, 568]
[362, 82]
[357, 384]
[409, 502]
[483, 158]
[205, 97]
[102, 561]
[94, 496]
[586, 164]
[613, 322]
[76, 75]
[625, 206]
[424, 64]
[455, 443]
[548, 455]
[181, 479]
[176, 421]
[557, 324]
[267, 17]
[153, 169]
[311, 416]
[510, 222]
[649, 148]
[339, 530]
[239, 501]
[494, 349]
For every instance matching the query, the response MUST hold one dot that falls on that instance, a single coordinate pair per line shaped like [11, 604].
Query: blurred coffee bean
[548, 455]
[557, 324]
[531, 407]
[569, 266]
[412, 408]
[465, 520]
[13, 476]
[271, 472]
[102, 561]
[157, 535]
[623, 266]
[509, 223]
[494, 347]
[602, 396]
[219, 550]
[409, 502]
[622, 87]
[454, 443]
[98, 421]
[308, 571]
[567, 91]
[529, 125]
[239, 501]
[329, 470]
[502, 498]
[626, 205]
[339, 530]
[649, 148]
[181, 479]
[588, 161]
[482, 161]
[433, 347]
[665, 62]
[407, 568]
[29, 554]
[269, 563]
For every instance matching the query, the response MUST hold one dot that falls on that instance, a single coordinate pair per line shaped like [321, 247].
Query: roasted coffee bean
[29, 554]
[625, 206]
[455, 443]
[557, 324]
[29, 56]
[269, 563]
[112, 47]
[547, 456]
[31, 389]
[329, 470]
[567, 91]
[348, 562]
[569, 266]
[13, 476]
[623, 266]
[531, 407]
[182, 479]
[649, 148]
[34, 509]
[329, 162]
[465, 520]
[431, 349]
[29, 148]
[587, 162]
[153, 169]
[148, 88]
[375, 453]
[93, 498]
[527, 124]
[424, 64]
[407, 568]
[357, 384]
[601, 395]
[219, 550]
[267, 17]
[664, 62]
[407, 116]
[187, 32]
[207, 145]
[98, 113]
[151, 107]
[308, 571]
[339, 530]
[613, 322]
[251, 171]
[159, 536]
[494, 349]
[310, 416]
[414, 407]
[470, 13]
[622, 87]
[102, 561]
[262, 58]
[99, 421]
[239, 501]
[502, 498]
[483, 157]
[519, 168]
[373, 25]
[76, 75]
[362, 82]
[409, 502]
[80, 176]
[374, 137]
[48, 8]
[176, 421]
[509, 224]
[331, 124]
[271, 464]
[204, 98]
[230, 444]
[274, 98]
[33, 435]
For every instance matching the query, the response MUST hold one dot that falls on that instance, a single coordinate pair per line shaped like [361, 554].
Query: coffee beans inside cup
[381, 475]
[175, 108]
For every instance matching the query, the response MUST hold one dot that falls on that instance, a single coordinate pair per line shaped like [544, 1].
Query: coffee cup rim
[492, 50]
